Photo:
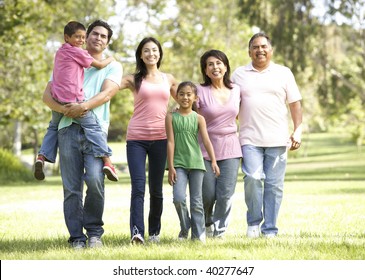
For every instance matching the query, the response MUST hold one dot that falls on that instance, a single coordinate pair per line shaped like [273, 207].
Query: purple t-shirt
[221, 122]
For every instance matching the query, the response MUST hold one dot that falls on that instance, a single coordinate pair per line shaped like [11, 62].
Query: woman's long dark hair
[222, 57]
[141, 69]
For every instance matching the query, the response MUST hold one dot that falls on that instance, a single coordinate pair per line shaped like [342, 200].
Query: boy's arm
[101, 64]
[207, 144]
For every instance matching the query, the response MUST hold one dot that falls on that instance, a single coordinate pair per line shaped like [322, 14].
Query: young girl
[185, 161]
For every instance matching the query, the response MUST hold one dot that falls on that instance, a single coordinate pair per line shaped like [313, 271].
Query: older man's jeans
[78, 165]
[137, 152]
[264, 169]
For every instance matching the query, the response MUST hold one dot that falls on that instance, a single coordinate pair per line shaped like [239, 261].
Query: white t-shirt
[263, 114]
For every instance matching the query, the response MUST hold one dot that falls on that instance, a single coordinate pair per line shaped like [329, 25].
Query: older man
[266, 88]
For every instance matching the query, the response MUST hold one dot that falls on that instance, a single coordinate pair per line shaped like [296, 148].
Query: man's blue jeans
[218, 193]
[264, 169]
[196, 223]
[78, 165]
[137, 152]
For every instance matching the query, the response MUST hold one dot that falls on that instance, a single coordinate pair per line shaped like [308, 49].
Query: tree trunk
[17, 146]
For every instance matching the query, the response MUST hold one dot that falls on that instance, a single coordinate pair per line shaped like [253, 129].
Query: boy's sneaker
[95, 242]
[110, 172]
[137, 239]
[38, 168]
[253, 231]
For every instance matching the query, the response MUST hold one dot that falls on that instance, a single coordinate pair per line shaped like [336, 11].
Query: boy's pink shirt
[68, 73]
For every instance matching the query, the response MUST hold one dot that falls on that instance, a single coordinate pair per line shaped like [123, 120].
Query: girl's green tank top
[187, 152]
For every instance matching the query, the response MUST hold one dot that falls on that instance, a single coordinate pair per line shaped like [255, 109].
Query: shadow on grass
[305, 245]
[32, 245]
[56, 181]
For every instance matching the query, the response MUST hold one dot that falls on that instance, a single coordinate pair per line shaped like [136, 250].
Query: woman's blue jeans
[218, 193]
[196, 223]
[264, 169]
[137, 153]
[78, 165]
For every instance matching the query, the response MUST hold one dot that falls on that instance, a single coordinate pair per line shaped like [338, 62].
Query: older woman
[219, 102]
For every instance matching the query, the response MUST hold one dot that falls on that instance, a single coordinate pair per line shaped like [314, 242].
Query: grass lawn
[322, 216]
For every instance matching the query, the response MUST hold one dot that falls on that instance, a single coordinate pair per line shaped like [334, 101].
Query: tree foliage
[30, 31]
[326, 52]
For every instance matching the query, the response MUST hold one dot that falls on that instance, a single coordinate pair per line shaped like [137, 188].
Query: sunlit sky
[131, 29]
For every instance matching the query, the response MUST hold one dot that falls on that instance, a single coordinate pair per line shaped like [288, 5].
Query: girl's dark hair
[72, 27]
[141, 69]
[101, 23]
[187, 84]
[194, 89]
[222, 57]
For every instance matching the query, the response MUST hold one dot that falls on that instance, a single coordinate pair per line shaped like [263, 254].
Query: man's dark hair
[72, 27]
[101, 23]
[257, 35]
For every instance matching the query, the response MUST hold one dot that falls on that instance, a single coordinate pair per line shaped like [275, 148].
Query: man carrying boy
[77, 161]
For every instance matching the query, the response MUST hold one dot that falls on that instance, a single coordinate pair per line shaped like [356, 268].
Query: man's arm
[296, 114]
[108, 90]
[55, 106]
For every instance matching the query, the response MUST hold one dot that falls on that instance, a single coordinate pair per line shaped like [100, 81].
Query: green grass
[321, 218]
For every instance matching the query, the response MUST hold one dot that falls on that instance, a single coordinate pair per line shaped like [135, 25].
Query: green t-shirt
[93, 82]
[187, 153]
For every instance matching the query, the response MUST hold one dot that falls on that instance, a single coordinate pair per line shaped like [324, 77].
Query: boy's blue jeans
[93, 132]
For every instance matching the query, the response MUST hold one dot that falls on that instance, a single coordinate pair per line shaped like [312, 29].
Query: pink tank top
[150, 108]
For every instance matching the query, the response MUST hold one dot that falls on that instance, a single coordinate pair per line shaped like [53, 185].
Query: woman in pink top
[146, 136]
[219, 102]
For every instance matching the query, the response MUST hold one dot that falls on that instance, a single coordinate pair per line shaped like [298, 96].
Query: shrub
[12, 169]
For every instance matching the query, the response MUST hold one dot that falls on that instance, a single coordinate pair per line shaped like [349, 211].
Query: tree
[30, 32]
[344, 85]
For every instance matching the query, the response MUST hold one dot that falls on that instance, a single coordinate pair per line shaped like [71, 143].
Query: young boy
[67, 87]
